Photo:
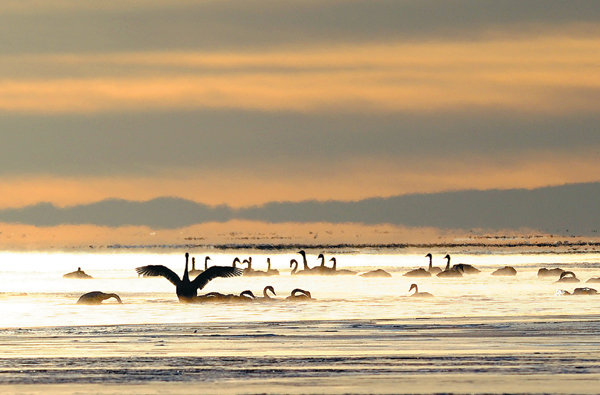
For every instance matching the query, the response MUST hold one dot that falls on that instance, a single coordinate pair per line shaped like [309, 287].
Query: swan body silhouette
[568, 277]
[556, 272]
[96, 297]
[340, 272]
[593, 280]
[375, 273]
[185, 289]
[580, 291]
[299, 294]
[271, 272]
[448, 271]
[505, 271]
[77, 274]
[434, 270]
[296, 272]
[194, 271]
[418, 294]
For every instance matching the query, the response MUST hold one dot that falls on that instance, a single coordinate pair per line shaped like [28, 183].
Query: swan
[194, 271]
[299, 294]
[418, 294]
[505, 271]
[306, 270]
[266, 297]
[568, 277]
[431, 269]
[375, 273]
[271, 272]
[296, 272]
[341, 272]
[322, 269]
[465, 268]
[97, 297]
[77, 274]
[581, 291]
[187, 290]
[543, 272]
[250, 272]
[245, 296]
[236, 260]
[420, 272]
[593, 280]
[449, 272]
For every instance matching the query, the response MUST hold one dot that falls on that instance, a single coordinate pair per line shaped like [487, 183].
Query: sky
[240, 104]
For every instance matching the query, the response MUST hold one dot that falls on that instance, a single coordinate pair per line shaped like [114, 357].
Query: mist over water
[36, 295]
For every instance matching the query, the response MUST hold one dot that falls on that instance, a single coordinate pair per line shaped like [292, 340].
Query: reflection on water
[34, 294]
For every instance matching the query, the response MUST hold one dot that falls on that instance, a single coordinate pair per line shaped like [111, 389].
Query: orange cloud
[370, 178]
[545, 74]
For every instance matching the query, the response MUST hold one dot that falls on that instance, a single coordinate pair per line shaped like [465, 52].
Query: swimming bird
[236, 260]
[449, 272]
[187, 290]
[77, 274]
[306, 269]
[296, 272]
[505, 271]
[194, 271]
[581, 291]
[418, 294]
[250, 272]
[299, 294]
[420, 272]
[568, 277]
[431, 269]
[96, 297]
[340, 272]
[593, 280]
[465, 268]
[375, 273]
[322, 269]
[266, 297]
[244, 297]
[543, 272]
[271, 272]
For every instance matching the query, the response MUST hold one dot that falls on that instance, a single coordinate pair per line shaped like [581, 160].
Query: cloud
[336, 179]
[70, 26]
[552, 210]
[543, 75]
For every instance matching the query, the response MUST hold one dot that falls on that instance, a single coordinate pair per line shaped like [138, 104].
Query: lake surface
[478, 334]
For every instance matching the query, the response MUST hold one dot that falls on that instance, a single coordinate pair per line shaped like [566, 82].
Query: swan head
[248, 294]
[269, 288]
[447, 256]
[413, 286]
[292, 262]
[187, 255]
[565, 274]
[429, 255]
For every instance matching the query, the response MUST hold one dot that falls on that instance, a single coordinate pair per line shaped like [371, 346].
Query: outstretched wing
[159, 270]
[214, 272]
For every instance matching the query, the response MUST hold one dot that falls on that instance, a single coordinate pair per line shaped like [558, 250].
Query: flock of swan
[187, 288]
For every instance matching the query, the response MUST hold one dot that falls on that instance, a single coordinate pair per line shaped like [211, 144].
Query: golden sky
[245, 102]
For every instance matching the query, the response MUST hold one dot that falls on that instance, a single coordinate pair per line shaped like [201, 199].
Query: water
[478, 334]
[50, 299]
